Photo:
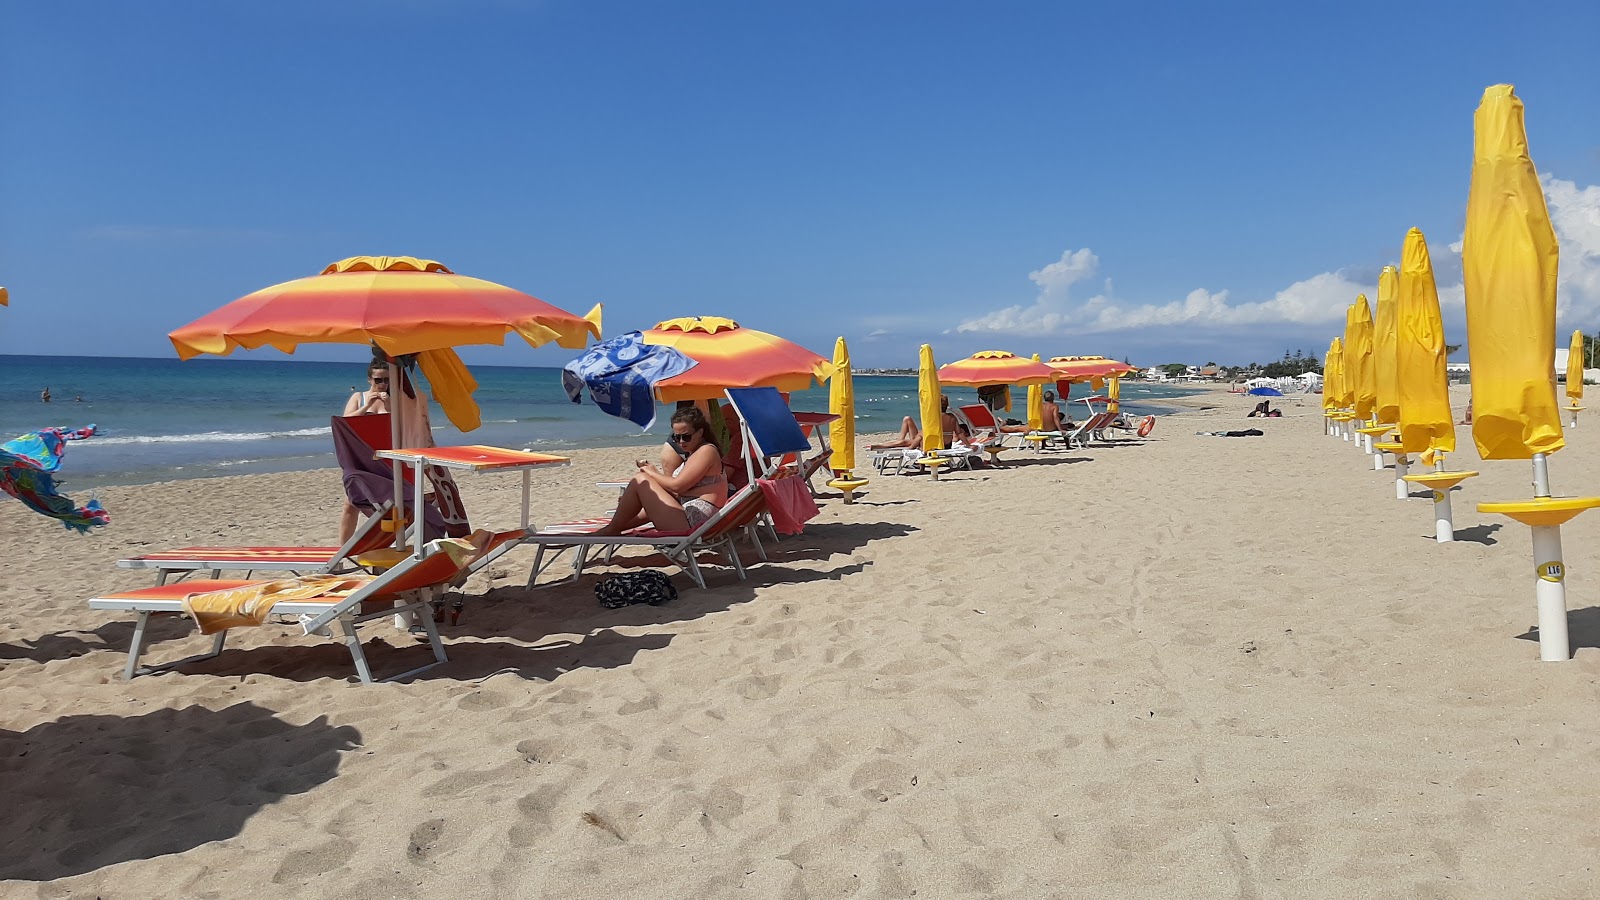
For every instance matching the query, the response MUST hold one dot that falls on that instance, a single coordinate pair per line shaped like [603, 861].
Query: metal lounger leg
[732, 552]
[693, 568]
[755, 540]
[137, 647]
[347, 627]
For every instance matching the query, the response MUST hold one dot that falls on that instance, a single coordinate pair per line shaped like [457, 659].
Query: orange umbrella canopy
[401, 303]
[731, 356]
[995, 367]
[1087, 368]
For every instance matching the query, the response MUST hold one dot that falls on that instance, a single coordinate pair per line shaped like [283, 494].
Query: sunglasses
[682, 438]
[380, 381]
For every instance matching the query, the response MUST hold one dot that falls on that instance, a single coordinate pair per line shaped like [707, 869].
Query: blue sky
[1164, 182]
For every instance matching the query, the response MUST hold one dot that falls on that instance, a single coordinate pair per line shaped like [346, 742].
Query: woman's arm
[353, 405]
[704, 461]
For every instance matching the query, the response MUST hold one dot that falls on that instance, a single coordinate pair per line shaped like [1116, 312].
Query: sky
[1158, 182]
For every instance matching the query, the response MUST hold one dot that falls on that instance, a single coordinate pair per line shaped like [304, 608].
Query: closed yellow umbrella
[1035, 404]
[842, 431]
[1575, 369]
[1331, 379]
[928, 401]
[1509, 260]
[1384, 332]
[1114, 395]
[1358, 367]
[842, 403]
[1426, 423]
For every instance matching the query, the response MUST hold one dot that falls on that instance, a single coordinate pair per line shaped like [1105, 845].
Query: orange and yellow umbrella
[995, 367]
[1078, 369]
[731, 356]
[5, 297]
[403, 304]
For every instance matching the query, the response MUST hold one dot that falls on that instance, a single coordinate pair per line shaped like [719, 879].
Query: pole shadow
[1583, 629]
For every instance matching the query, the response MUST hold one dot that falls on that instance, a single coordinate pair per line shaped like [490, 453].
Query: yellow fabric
[1508, 261]
[1575, 368]
[1035, 404]
[1333, 381]
[1384, 334]
[1426, 423]
[928, 401]
[452, 386]
[842, 403]
[386, 264]
[250, 605]
[1358, 368]
[1114, 391]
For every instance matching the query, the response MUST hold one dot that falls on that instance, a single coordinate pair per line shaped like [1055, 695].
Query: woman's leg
[643, 502]
[910, 436]
[347, 521]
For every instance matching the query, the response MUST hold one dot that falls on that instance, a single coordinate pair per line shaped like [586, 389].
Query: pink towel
[789, 502]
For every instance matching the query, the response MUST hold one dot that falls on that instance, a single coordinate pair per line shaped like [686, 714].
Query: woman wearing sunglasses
[685, 499]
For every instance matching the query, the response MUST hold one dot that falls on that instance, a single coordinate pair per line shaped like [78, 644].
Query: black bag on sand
[628, 588]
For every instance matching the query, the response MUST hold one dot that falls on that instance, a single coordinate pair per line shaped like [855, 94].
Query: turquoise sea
[163, 419]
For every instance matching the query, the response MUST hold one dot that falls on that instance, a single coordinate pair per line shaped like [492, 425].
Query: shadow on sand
[85, 792]
[1583, 629]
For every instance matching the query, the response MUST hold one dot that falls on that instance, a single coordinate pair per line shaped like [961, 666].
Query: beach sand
[1189, 666]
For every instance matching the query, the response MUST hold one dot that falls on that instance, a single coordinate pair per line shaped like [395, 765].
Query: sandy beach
[1187, 666]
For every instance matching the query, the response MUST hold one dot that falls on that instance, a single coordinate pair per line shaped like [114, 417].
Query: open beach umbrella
[400, 304]
[1264, 392]
[988, 367]
[729, 355]
[1509, 260]
[1358, 357]
[928, 394]
[1384, 332]
[5, 297]
[1426, 423]
[1575, 368]
[1035, 404]
[1078, 369]
[842, 403]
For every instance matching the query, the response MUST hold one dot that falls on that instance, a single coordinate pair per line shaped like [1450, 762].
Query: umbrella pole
[395, 464]
[1550, 589]
[1402, 490]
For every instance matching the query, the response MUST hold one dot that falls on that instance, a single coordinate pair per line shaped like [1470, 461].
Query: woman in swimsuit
[685, 499]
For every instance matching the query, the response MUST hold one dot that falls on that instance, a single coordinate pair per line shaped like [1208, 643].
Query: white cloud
[1318, 300]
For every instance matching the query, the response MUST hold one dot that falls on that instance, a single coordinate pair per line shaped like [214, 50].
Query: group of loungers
[332, 591]
[986, 434]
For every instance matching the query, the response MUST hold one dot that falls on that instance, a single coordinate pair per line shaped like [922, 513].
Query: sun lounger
[295, 560]
[739, 515]
[406, 587]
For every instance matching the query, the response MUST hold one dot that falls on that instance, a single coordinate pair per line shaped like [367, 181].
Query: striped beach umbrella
[995, 367]
[729, 355]
[402, 304]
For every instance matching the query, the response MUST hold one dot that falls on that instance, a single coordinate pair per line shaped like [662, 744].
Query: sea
[166, 419]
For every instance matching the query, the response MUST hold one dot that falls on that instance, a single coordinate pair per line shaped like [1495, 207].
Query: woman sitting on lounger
[911, 435]
[685, 499]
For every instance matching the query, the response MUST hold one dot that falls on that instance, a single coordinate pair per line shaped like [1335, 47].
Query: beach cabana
[1509, 259]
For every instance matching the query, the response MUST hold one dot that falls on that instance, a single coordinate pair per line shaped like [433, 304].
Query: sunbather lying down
[684, 499]
[911, 434]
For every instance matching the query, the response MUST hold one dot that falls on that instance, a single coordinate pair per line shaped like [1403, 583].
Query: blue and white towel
[621, 375]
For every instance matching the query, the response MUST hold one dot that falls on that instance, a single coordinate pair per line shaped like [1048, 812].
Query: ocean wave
[207, 437]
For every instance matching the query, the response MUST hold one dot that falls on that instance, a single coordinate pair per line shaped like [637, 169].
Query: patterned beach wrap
[26, 479]
[621, 375]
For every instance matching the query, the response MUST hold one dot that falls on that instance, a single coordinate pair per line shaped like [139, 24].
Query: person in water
[686, 490]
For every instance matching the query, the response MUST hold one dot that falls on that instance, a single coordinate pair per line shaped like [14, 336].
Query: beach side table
[1401, 465]
[1545, 516]
[1441, 483]
[1574, 409]
[1370, 434]
[473, 458]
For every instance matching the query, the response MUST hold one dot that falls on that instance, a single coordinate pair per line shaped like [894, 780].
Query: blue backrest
[771, 425]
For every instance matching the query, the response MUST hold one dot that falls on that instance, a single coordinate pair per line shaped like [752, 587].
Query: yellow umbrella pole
[1575, 376]
[1509, 259]
[1036, 404]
